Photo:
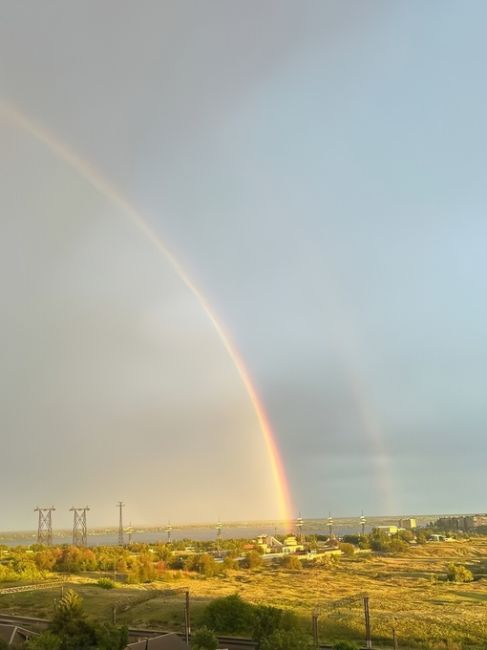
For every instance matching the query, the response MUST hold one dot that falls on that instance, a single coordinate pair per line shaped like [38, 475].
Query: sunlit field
[408, 591]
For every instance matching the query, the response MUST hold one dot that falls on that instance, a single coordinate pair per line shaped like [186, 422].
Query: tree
[45, 641]
[268, 619]
[286, 640]
[70, 625]
[111, 637]
[230, 614]
[253, 560]
[204, 639]
[74, 632]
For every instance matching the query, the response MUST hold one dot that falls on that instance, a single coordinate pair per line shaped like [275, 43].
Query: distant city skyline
[317, 170]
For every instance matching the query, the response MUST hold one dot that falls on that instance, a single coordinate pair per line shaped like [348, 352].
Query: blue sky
[319, 169]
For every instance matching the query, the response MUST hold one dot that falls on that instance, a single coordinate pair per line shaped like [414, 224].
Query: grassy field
[407, 592]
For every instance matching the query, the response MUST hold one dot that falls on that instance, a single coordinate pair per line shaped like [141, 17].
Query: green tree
[230, 614]
[268, 619]
[45, 641]
[74, 632]
[286, 640]
[111, 637]
[204, 639]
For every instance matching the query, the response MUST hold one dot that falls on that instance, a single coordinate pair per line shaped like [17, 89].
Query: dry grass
[407, 592]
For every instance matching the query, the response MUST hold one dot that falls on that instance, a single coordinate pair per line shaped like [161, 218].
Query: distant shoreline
[137, 530]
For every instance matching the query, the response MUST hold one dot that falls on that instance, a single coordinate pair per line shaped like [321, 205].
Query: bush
[345, 645]
[459, 573]
[291, 561]
[45, 641]
[204, 639]
[105, 583]
[347, 549]
[286, 640]
[253, 560]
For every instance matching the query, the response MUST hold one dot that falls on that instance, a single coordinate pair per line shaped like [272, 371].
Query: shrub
[204, 639]
[105, 583]
[291, 561]
[459, 573]
[286, 640]
[345, 645]
[46, 641]
[253, 560]
[347, 549]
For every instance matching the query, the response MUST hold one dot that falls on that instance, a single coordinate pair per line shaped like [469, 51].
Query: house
[408, 524]
[163, 642]
[269, 544]
[291, 545]
[388, 530]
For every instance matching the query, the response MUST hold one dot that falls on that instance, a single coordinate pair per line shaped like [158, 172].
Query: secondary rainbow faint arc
[102, 185]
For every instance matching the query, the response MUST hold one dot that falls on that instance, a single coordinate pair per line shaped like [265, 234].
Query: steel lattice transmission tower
[80, 532]
[44, 528]
[120, 506]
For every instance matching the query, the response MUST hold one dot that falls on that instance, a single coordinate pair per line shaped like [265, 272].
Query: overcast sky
[319, 169]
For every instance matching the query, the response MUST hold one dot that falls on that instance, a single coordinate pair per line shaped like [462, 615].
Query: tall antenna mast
[219, 527]
[363, 521]
[299, 527]
[330, 525]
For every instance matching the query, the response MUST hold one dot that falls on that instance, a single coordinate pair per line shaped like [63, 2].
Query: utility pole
[368, 638]
[80, 531]
[44, 527]
[394, 638]
[314, 628]
[120, 505]
[187, 618]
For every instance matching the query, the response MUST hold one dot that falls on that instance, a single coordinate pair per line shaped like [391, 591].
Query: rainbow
[104, 187]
